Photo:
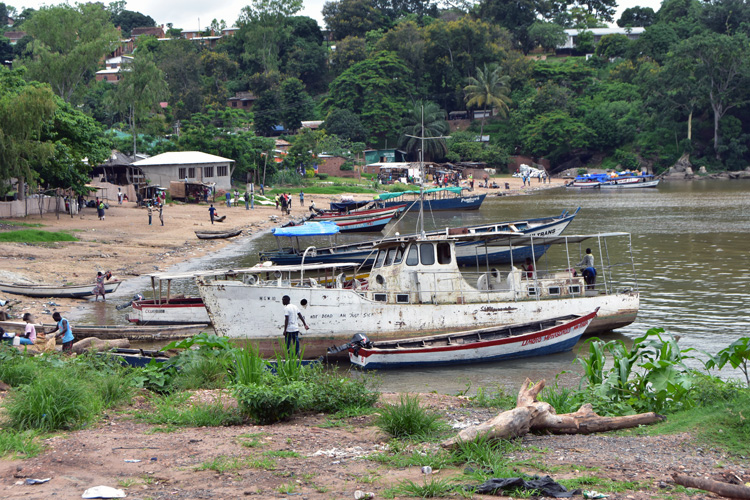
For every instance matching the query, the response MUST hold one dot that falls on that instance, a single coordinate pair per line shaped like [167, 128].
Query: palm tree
[488, 89]
[435, 126]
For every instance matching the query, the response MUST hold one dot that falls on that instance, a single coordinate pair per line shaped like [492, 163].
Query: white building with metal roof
[193, 166]
[572, 41]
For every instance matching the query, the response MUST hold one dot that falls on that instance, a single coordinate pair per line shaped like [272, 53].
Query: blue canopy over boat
[325, 228]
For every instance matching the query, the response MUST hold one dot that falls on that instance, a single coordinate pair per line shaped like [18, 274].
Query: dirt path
[313, 458]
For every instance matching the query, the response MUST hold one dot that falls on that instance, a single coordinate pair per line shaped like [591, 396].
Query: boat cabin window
[444, 253]
[379, 259]
[389, 256]
[427, 252]
[412, 258]
[399, 254]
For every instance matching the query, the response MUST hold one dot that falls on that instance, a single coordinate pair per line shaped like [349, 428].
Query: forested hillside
[681, 86]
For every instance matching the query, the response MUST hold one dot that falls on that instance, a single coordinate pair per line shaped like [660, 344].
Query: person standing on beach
[99, 287]
[252, 200]
[247, 200]
[100, 209]
[212, 213]
[291, 327]
[302, 199]
[229, 199]
[63, 326]
[119, 196]
[150, 213]
[161, 213]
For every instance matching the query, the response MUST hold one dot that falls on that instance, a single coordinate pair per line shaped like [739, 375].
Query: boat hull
[176, 311]
[435, 205]
[555, 339]
[629, 184]
[255, 313]
[65, 291]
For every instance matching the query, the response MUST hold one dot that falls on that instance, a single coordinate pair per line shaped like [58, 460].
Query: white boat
[416, 286]
[164, 308]
[57, 291]
[524, 340]
[639, 182]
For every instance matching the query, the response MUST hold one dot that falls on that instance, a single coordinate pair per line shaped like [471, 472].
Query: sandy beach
[126, 245]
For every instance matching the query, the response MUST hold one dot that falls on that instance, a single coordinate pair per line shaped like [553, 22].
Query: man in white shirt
[291, 327]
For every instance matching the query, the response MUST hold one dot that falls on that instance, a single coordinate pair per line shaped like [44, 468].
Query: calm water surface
[690, 241]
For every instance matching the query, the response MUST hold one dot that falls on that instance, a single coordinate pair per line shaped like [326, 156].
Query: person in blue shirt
[63, 326]
[229, 199]
[212, 213]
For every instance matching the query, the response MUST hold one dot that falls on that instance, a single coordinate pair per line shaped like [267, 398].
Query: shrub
[53, 401]
[247, 367]
[332, 393]
[408, 419]
[270, 403]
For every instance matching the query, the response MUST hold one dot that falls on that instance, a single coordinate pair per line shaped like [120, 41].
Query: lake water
[690, 241]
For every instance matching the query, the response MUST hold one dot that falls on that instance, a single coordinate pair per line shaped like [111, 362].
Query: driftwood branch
[532, 415]
[97, 345]
[723, 489]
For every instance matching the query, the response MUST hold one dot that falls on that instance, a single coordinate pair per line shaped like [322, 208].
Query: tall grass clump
[176, 410]
[408, 419]
[248, 367]
[270, 402]
[332, 393]
[15, 443]
[52, 401]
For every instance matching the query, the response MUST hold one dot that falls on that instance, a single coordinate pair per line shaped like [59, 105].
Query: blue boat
[437, 199]
[468, 253]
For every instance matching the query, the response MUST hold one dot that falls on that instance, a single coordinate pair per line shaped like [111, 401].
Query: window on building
[191, 173]
[182, 173]
[208, 171]
[234, 104]
[221, 171]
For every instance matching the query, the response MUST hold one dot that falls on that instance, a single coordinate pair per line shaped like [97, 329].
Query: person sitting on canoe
[29, 334]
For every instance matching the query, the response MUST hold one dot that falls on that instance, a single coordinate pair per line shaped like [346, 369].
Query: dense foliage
[681, 86]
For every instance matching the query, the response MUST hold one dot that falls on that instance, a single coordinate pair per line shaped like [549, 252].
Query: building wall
[162, 175]
[28, 206]
[332, 166]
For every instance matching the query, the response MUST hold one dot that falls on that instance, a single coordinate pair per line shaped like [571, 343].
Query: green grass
[15, 444]
[432, 488]
[282, 454]
[19, 224]
[286, 488]
[438, 459]
[174, 410]
[604, 485]
[408, 419]
[223, 463]
[250, 440]
[35, 236]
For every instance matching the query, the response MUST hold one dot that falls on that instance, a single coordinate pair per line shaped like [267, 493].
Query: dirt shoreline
[125, 244]
[313, 458]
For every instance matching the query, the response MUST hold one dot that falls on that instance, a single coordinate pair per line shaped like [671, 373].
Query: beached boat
[137, 358]
[436, 199]
[56, 291]
[357, 214]
[524, 340]
[109, 332]
[630, 182]
[168, 310]
[215, 235]
[416, 286]
[468, 252]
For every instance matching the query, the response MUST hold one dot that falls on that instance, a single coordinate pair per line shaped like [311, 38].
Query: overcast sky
[194, 14]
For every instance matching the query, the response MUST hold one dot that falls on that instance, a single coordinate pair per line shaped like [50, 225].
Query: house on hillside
[114, 66]
[242, 100]
[188, 165]
[157, 31]
[572, 41]
[384, 156]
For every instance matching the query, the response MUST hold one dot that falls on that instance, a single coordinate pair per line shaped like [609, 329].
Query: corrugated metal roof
[181, 158]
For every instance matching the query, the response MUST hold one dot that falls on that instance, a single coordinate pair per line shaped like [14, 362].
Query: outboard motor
[358, 340]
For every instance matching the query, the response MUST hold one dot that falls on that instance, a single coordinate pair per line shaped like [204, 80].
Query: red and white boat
[524, 340]
[168, 311]
[358, 214]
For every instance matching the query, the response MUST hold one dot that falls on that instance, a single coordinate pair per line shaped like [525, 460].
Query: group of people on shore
[29, 336]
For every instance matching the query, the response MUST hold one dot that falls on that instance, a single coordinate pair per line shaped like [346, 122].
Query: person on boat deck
[529, 268]
[29, 334]
[100, 279]
[291, 327]
[63, 326]
[588, 270]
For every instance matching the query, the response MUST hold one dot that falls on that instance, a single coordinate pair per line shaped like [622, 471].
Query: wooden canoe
[523, 340]
[216, 235]
[109, 332]
[56, 291]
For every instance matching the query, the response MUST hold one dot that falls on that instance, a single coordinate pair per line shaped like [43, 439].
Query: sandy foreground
[126, 245]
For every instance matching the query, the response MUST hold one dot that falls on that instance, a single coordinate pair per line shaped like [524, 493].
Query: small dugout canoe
[217, 235]
[56, 291]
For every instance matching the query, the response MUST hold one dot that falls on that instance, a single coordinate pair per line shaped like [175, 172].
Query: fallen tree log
[98, 345]
[532, 415]
[723, 489]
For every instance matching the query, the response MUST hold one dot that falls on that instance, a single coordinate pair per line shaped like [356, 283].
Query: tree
[585, 43]
[296, 104]
[407, 41]
[722, 71]
[24, 110]
[128, 19]
[268, 12]
[184, 72]
[425, 119]
[488, 88]
[349, 51]
[351, 17]
[266, 111]
[516, 17]
[139, 92]
[637, 17]
[69, 43]
[613, 46]
[374, 90]
[553, 135]
[345, 124]
[548, 35]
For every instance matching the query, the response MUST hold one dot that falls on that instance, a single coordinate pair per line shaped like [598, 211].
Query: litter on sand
[593, 495]
[103, 492]
[37, 481]
[128, 461]
[546, 486]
